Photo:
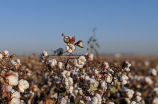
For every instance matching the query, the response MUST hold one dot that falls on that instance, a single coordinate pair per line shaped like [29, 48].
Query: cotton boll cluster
[125, 66]
[147, 80]
[9, 79]
[155, 91]
[4, 53]
[137, 96]
[23, 85]
[128, 93]
[60, 65]
[155, 100]
[27, 72]
[52, 63]
[124, 79]
[43, 56]
[89, 56]
[79, 62]
[15, 62]
[15, 97]
[152, 72]
[70, 48]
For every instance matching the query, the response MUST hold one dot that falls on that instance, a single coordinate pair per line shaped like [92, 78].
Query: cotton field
[84, 79]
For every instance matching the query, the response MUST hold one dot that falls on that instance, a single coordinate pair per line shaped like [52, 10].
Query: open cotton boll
[15, 101]
[44, 53]
[82, 58]
[129, 93]
[123, 79]
[52, 62]
[152, 72]
[70, 48]
[1, 56]
[155, 90]
[60, 65]
[147, 80]
[12, 77]
[133, 102]
[23, 85]
[89, 56]
[155, 100]
[125, 66]
[15, 94]
[5, 53]
[9, 88]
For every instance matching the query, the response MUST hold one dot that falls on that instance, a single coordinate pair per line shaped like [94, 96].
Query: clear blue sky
[123, 26]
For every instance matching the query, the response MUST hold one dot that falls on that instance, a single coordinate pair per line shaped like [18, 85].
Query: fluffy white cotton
[155, 90]
[124, 79]
[15, 94]
[23, 85]
[15, 101]
[109, 78]
[15, 62]
[60, 65]
[103, 85]
[1, 56]
[70, 48]
[9, 88]
[155, 100]
[12, 78]
[147, 80]
[44, 53]
[128, 93]
[126, 66]
[89, 56]
[52, 62]
[5, 53]
[152, 72]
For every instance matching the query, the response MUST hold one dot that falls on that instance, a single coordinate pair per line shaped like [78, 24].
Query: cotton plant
[13, 83]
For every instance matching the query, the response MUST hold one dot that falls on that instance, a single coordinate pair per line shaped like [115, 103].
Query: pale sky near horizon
[123, 26]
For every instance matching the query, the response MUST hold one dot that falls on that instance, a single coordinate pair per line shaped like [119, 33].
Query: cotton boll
[109, 78]
[5, 53]
[89, 56]
[147, 80]
[1, 56]
[127, 100]
[60, 65]
[128, 93]
[152, 72]
[133, 102]
[103, 85]
[12, 77]
[70, 48]
[44, 53]
[82, 58]
[70, 81]
[52, 62]
[15, 94]
[155, 100]
[9, 88]
[123, 79]
[95, 99]
[125, 66]
[15, 101]
[155, 90]
[23, 85]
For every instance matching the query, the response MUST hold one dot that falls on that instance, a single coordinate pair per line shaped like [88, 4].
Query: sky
[123, 26]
